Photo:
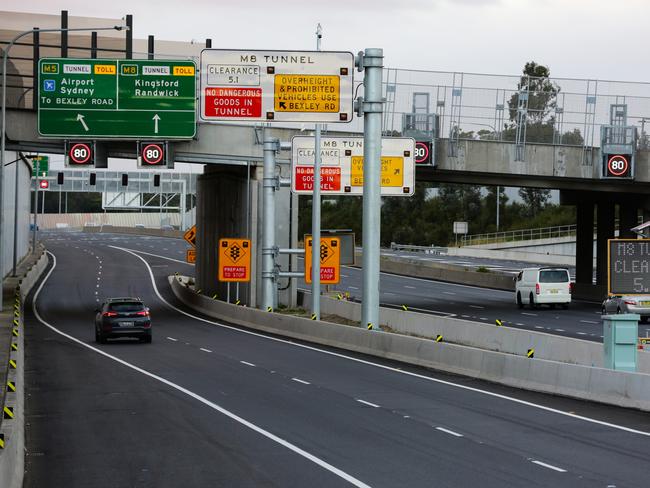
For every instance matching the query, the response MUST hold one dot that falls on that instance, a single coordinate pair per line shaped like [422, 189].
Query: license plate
[126, 324]
[553, 291]
[644, 304]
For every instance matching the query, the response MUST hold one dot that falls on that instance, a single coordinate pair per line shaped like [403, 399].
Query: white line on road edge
[529, 314]
[301, 381]
[172, 339]
[332, 469]
[367, 403]
[247, 363]
[447, 431]
[204, 349]
[589, 322]
[376, 365]
[549, 466]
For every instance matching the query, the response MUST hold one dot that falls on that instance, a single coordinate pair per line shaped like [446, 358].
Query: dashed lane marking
[298, 380]
[529, 314]
[247, 363]
[373, 405]
[450, 432]
[172, 339]
[204, 349]
[549, 466]
[589, 322]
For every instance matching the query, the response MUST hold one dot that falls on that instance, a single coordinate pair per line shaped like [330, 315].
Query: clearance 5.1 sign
[285, 86]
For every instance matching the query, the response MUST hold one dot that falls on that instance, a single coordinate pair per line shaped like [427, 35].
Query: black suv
[122, 317]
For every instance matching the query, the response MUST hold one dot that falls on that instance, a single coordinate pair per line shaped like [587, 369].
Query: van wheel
[520, 304]
[531, 301]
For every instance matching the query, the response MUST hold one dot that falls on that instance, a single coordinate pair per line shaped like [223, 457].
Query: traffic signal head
[156, 180]
[125, 179]
[93, 179]
[59, 178]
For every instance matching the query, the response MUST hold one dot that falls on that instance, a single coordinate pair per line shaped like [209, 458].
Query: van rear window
[553, 276]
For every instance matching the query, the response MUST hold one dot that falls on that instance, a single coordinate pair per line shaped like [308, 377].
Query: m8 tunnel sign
[342, 165]
[116, 98]
[628, 266]
[283, 86]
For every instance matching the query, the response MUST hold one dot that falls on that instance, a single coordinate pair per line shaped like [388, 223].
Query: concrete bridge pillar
[222, 210]
[605, 230]
[585, 243]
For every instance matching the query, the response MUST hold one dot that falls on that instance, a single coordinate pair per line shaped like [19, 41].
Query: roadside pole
[36, 186]
[372, 62]
[268, 227]
[315, 215]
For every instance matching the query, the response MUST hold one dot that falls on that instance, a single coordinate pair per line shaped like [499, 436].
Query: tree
[534, 199]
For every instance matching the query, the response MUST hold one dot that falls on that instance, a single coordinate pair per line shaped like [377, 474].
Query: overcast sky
[600, 39]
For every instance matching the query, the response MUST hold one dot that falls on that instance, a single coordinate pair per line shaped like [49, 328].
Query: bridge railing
[519, 235]
[436, 250]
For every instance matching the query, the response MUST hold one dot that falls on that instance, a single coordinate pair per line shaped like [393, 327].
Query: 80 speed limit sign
[423, 153]
[618, 166]
[79, 154]
[152, 154]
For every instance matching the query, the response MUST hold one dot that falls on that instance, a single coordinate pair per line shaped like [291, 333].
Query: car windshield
[553, 276]
[126, 306]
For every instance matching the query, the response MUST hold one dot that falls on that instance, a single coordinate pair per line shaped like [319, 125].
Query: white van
[535, 286]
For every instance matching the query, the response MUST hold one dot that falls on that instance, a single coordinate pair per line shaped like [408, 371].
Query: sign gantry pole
[315, 214]
[372, 63]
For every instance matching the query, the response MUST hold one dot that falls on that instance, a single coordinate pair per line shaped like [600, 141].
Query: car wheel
[98, 336]
[531, 301]
[520, 304]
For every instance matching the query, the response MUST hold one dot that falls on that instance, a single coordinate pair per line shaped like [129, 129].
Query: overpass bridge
[485, 130]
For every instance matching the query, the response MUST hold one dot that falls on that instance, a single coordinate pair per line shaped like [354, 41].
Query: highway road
[208, 404]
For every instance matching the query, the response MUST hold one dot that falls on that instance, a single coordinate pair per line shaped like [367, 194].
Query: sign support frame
[315, 212]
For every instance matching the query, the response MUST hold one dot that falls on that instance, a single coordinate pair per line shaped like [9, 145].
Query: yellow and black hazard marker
[14, 346]
[498, 322]
[215, 296]
[339, 296]
[2, 441]
[313, 316]
[198, 292]
[439, 338]
[269, 309]
[405, 308]
[17, 313]
[11, 386]
[8, 412]
[175, 273]
[14, 331]
[16, 322]
[531, 353]
[238, 302]
[369, 326]
[12, 364]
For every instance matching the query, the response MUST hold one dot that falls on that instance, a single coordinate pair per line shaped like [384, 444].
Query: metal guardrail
[519, 235]
[437, 250]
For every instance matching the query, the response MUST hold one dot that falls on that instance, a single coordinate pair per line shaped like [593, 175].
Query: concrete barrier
[142, 231]
[12, 457]
[513, 255]
[573, 380]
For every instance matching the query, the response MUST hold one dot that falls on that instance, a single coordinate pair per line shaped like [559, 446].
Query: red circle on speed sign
[152, 153]
[79, 153]
[421, 152]
[618, 165]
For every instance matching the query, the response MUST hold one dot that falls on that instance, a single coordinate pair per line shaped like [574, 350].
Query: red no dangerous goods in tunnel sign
[232, 102]
[330, 178]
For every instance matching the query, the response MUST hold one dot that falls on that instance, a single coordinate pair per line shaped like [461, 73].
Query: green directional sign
[40, 166]
[116, 98]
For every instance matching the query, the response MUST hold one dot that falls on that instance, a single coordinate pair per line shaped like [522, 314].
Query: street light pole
[3, 130]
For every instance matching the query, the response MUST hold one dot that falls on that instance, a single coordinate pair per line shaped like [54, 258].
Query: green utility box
[620, 334]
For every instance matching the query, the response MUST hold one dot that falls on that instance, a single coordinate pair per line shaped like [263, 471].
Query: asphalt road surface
[208, 404]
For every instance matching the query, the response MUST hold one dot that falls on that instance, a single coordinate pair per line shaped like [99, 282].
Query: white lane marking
[345, 276]
[353, 288]
[97, 285]
[247, 363]
[204, 349]
[172, 339]
[319, 462]
[559, 330]
[549, 466]
[529, 314]
[370, 363]
[155, 255]
[465, 316]
[539, 327]
[388, 293]
[373, 405]
[448, 292]
[581, 333]
[483, 318]
[409, 287]
[447, 431]
[476, 306]
[301, 381]
[522, 325]
[589, 322]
